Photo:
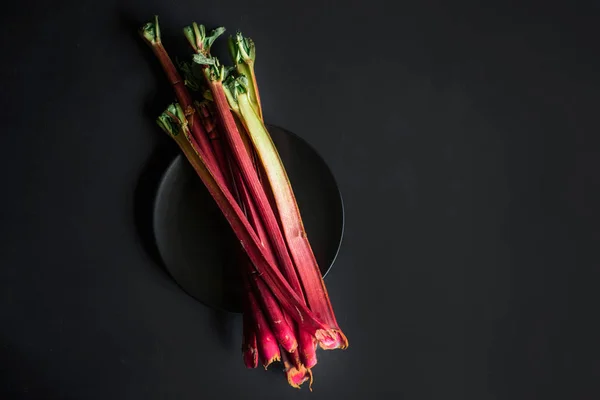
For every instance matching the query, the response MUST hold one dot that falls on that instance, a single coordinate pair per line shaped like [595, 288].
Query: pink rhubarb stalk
[244, 162]
[173, 122]
[307, 268]
[279, 323]
[247, 169]
[267, 346]
[307, 349]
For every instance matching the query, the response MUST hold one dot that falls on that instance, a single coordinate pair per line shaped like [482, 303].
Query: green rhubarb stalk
[291, 221]
[243, 52]
[173, 122]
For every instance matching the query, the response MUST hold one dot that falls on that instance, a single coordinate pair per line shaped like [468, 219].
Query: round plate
[196, 243]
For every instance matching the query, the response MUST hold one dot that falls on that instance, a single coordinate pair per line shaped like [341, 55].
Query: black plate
[197, 244]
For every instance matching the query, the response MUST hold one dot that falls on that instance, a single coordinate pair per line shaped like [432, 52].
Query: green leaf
[204, 60]
[210, 39]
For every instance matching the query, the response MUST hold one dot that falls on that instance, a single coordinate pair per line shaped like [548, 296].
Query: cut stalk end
[268, 349]
[250, 358]
[249, 350]
[213, 70]
[243, 52]
[242, 49]
[151, 32]
[172, 120]
[275, 358]
[331, 339]
[296, 376]
[235, 87]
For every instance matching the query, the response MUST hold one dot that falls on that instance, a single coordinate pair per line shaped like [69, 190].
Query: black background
[465, 141]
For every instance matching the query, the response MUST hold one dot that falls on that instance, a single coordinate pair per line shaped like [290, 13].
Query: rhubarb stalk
[244, 162]
[280, 324]
[291, 221]
[267, 346]
[306, 342]
[150, 32]
[223, 102]
[173, 121]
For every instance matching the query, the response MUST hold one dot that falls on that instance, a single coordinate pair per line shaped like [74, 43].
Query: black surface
[464, 138]
[196, 244]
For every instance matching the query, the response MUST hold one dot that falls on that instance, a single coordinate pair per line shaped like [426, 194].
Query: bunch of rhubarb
[217, 122]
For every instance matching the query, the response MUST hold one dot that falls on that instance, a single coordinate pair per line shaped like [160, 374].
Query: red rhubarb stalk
[215, 140]
[268, 349]
[174, 123]
[279, 323]
[246, 168]
[307, 348]
[244, 162]
[280, 326]
[307, 268]
[150, 32]
[306, 342]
